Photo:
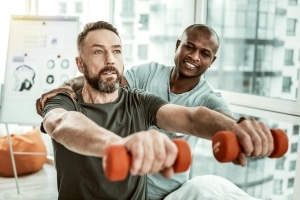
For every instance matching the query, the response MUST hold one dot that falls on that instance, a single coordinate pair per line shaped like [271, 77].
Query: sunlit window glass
[293, 2]
[291, 26]
[258, 39]
[151, 27]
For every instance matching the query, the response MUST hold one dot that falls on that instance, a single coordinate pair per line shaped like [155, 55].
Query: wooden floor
[37, 186]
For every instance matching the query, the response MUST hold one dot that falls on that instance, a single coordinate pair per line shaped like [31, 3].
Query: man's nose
[195, 56]
[110, 58]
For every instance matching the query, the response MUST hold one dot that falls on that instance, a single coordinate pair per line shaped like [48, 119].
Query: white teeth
[190, 65]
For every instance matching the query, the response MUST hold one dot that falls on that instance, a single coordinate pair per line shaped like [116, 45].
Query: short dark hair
[203, 28]
[94, 26]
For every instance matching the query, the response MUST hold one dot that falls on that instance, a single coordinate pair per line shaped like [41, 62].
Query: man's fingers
[245, 141]
[73, 96]
[172, 152]
[38, 106]
[165, 155]
[148, 159]
[269, 139]
[167, 172]
[255, 138]
[159, 156]
[137, 155]
[241, 160]
[151, 152]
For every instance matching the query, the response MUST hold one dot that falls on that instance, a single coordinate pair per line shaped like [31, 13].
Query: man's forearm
[199, 121]
[77, 133]
[211, 122]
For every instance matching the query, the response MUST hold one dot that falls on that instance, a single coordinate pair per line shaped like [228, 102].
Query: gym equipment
[117, 160]
[226, 147]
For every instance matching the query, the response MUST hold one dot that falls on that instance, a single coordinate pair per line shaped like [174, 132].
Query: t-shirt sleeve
[61, 100]
[152, 103]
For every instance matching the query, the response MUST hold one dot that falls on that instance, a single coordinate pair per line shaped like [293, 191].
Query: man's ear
[79, 64]
[177, 44]
[215, 57]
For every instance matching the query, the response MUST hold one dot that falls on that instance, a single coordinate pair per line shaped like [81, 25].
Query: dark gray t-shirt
[82, 177]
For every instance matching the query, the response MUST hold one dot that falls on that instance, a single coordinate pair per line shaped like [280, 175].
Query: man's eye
[117, 51]
[205, 54]
[189, 47]
[98, 51]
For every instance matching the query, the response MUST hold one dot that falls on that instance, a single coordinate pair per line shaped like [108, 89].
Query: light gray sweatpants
[209, 187]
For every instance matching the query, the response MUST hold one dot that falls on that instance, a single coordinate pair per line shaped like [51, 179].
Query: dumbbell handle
[226, 147]
[117, 160]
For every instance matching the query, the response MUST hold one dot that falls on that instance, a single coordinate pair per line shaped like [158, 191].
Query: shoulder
[63, 96]
[136, 91]
[151, 66]
[61, 100]
[141, 95]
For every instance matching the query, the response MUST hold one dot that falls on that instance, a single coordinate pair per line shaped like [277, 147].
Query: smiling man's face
[195, 53]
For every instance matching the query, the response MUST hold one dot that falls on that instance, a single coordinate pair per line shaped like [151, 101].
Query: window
[143, 23]
[288, 57]
[286, 84]
[291, 27]
[263, 20]
[291, 182]
[252, 45]
[143, 51]
[280, 163]
[296, 130]
[128, 28]
[78, 7]
[292, 166]
[241, 18]
[127, 7]
[62, 8]
[127, 52]
[294, 147]
[293, 2]
[277, 188]
[290, 197]
[257, 67]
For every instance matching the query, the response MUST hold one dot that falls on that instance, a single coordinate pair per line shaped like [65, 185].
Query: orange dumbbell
[226, 147]
[117, 160]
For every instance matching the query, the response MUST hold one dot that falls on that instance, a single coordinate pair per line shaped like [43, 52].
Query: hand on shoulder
[40, 102]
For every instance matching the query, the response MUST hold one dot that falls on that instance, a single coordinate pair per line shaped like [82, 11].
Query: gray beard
[108, 86]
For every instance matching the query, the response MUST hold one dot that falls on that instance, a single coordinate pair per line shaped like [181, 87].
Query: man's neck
[91, 95]
[180, 84]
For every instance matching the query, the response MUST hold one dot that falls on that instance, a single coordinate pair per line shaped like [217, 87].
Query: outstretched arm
[253, 136]
[150, 150]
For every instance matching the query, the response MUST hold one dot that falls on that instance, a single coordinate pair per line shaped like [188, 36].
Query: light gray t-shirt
[154, 77]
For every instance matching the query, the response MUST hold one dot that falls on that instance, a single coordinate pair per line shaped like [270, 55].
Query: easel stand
[12, 158]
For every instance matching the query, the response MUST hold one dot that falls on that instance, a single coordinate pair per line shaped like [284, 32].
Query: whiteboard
[41, 56]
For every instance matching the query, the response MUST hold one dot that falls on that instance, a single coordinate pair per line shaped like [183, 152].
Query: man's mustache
[109, 69]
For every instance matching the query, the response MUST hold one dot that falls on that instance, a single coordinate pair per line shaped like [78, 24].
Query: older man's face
[102, 60]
